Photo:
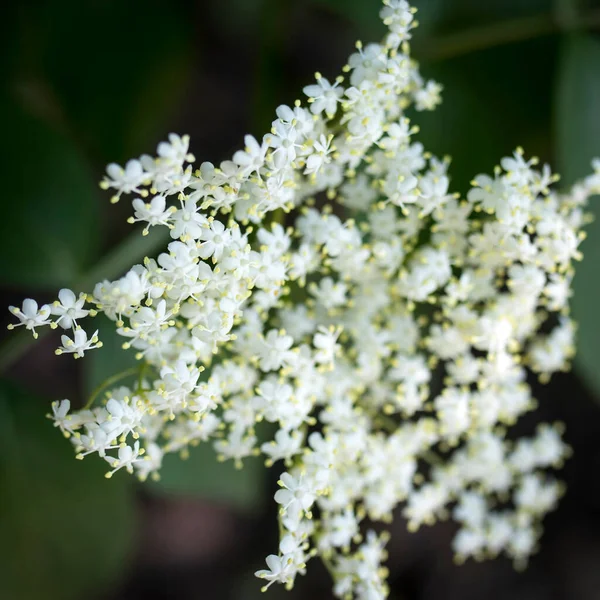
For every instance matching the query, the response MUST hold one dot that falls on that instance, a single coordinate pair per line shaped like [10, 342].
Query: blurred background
[88, 82]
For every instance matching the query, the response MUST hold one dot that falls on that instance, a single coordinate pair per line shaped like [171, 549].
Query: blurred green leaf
[577, 142]
[481, 118]
[461, 14]
[126, 81]
[578, 106]
[49, 232]
[108, 79]
[203, 475]
[66, 530]
[363, 14]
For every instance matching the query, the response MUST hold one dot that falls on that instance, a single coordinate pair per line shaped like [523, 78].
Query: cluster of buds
[326, 280]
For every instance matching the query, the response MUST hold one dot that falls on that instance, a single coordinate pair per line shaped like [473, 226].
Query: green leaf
[115, 81]
[577, 115]
[203, 475]
[482, 118]
[66, 530]
[461, 14]
[578, 106]
[363, 14]
[48, 231]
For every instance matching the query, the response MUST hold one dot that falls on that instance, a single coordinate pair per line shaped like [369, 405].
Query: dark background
[90, 82]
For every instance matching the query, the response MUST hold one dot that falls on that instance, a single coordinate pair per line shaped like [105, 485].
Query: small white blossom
[79, 344]
[324, 96]
[31, 316]
[329, 281]
[69, 308]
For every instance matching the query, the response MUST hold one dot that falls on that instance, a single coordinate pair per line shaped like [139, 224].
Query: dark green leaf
[363, 14]
[577, 142]
[482, 117]
[48, 232]
[578, 106]
[117, 68]
[467, 14]
[66, 531]
[202, 475]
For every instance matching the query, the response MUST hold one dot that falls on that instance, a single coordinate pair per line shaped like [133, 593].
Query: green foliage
[201, 474]
[49, 224]
[578, 106]
[458, 14]
[106, 75]
[492, 103]
[65, 530]
[578, 141]
[364, 16]
[78, 86]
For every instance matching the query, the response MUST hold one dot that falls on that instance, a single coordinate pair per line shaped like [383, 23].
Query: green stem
[327, 562]
[133, 249]
[386, 422]
[432, 458]
[472, 40]
[110, 381]
[140, 381]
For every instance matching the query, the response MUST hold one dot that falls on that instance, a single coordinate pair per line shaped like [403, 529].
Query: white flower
[325, 341]
[31, 316]
[330, 294]
[69, 308]
[79, 344]
[285, 445]
[187, 221]
[151, 463]
[61, 417]
[125, 417]
[284, 139]
[398, 16]
[281, 569]
[126, 458]
[276, 242]
[429, 96]
[153, 212]
[214, 240]
[125, 180]
[274, 350]
[319, 156]
[175, 151]
[252, 158]
[296, 495]
[366, 63]
[453, 411]
[324, 96]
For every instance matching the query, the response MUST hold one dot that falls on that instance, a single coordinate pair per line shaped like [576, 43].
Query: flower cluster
[326, 280]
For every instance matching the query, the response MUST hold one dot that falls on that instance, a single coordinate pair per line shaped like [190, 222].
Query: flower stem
[108, 382]
[504, 32]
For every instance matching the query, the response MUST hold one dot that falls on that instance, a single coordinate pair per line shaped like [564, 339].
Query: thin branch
[472, 40]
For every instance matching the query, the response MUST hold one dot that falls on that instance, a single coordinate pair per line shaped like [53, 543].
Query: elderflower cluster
[325, 280]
